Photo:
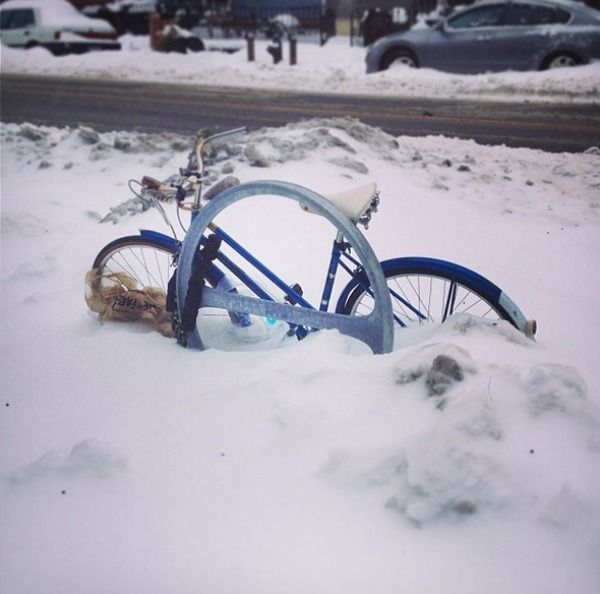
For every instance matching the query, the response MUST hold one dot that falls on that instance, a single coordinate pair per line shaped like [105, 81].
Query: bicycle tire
[129, 280]
[148, 261]
[427, 290]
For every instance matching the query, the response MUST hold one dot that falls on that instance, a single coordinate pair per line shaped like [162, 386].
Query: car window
[17, 19]
[483, 16]
[533, 14]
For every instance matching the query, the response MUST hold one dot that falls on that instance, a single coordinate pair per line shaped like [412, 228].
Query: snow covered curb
[334, 68]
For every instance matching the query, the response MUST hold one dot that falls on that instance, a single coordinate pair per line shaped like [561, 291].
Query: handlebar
[190, 180]
[201, 143]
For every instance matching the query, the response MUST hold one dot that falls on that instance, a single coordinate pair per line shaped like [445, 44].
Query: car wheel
[399, 57]
[176, 44]
[194, 44]
[561, 60]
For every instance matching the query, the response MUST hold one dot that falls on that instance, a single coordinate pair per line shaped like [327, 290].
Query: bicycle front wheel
[136, 262]
[426, 290]
[129, 280]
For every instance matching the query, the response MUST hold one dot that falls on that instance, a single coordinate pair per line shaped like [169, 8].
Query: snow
[132, 465]
[336, 68]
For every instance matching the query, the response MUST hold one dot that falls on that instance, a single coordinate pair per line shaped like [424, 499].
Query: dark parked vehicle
[497, 35]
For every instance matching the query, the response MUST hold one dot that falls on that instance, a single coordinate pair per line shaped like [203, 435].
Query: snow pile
[477, 454]
[465, 461]
[336, 67]
[437, 165]
[87, 459]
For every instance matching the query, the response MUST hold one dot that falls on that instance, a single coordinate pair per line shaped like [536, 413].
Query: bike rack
[376, 329]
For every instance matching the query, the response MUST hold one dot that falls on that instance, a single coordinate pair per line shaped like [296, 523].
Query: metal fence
[273, 21]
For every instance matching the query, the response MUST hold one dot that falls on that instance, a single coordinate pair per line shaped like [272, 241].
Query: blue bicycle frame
[339, 254]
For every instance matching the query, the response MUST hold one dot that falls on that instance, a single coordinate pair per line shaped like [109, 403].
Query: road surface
[154, 107]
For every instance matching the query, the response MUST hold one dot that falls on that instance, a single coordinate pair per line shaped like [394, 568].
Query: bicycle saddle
[354, 203]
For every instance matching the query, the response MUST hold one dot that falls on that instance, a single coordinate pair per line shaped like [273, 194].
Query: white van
[54, 24]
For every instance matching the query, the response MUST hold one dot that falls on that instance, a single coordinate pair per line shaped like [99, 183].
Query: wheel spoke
[135, 260]
[428, 297]
[449, 302]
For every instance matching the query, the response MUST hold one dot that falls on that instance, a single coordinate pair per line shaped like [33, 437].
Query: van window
[17, 19]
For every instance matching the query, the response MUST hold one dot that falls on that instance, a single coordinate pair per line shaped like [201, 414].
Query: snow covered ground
[336, 67]
[131, 465]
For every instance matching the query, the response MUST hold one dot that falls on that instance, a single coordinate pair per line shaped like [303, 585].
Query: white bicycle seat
[353, 203]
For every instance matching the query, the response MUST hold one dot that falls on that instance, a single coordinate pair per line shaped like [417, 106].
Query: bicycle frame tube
[294, 296]
[336, 253]
[338, 250]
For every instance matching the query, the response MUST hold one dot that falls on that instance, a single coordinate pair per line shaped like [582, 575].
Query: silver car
[497, 35]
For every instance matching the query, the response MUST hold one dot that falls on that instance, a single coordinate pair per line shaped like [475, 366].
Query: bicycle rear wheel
[129, 280]
[426, 290]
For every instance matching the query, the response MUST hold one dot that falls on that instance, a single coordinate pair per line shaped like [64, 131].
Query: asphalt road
[155, 107]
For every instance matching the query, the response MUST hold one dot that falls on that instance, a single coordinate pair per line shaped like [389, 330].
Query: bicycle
[213, 300]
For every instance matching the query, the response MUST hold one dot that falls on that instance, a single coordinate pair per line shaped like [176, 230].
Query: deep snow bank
[464, 461]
